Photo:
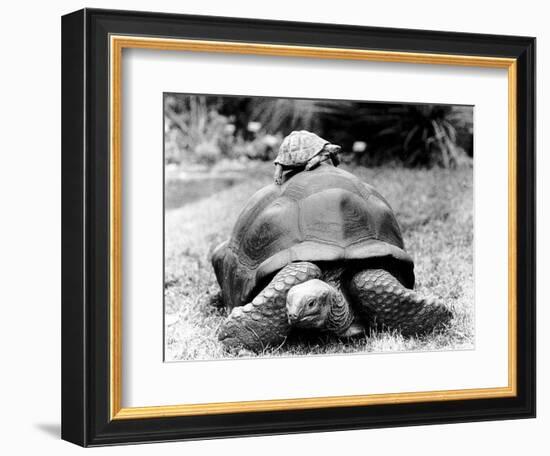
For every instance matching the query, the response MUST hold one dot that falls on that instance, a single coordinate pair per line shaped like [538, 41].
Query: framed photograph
[280, 227]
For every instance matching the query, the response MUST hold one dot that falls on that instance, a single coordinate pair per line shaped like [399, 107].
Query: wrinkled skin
[308, 304]
[264, 322]
[297, 298]
[380, 299]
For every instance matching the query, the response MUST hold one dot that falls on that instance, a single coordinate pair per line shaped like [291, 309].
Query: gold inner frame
[117, 44]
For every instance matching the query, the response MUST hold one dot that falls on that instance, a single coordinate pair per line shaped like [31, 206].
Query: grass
[434, 209]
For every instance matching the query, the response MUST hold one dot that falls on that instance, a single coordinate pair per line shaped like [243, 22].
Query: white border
[149, 381]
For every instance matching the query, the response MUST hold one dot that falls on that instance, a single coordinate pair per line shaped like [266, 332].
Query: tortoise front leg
[278, 174]
[387, 304]
[315, 161]
[335, 159]
[264, 322]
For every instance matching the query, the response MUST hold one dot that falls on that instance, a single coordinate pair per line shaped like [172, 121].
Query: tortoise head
[308, 304]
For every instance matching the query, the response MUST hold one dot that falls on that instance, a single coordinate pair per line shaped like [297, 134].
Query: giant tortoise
[323, 250]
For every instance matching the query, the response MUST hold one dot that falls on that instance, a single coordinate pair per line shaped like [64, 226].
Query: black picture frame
[85, 227]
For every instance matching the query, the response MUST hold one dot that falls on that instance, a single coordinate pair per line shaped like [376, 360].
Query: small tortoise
[322, 251]
[304, 149]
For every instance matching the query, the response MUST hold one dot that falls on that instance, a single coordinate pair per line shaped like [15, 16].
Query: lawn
[435, 211]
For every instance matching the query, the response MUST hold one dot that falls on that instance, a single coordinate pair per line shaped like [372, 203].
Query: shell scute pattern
[274, 226]
[326, 214]
[298, 147]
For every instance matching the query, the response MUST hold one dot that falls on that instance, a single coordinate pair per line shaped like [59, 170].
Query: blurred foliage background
[202, 130]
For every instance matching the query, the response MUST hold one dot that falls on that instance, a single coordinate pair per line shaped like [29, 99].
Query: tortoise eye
[310, 304]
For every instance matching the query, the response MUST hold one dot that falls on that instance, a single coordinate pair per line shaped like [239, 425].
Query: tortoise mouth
[303, 322]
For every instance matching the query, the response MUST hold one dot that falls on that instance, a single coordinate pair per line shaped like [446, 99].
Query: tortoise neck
[340, 316]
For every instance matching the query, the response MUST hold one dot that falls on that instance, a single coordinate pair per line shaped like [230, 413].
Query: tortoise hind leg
[388, 304]
[217, 257]
[264, 322]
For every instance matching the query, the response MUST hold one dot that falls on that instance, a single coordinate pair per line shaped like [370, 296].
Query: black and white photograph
[300, 227]
[275, 228]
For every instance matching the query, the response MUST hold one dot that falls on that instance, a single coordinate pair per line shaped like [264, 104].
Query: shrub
[194, 129]
[206, 128]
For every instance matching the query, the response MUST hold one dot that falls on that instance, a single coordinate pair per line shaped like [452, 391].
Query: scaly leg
[264, 322]
[278, 174]
[387, 304]
[335, 159]
[315, 161]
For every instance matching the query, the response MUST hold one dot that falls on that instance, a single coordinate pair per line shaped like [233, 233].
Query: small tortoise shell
[299, 147]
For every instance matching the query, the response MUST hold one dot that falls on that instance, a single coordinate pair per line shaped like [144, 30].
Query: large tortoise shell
[298, 147]
[326, 214]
